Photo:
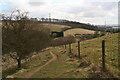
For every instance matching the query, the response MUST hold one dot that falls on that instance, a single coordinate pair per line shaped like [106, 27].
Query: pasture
[70, 66]
[78, 31]
[89, 66]
[54, 27]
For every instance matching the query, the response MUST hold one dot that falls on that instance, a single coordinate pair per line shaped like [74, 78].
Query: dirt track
[30, 74]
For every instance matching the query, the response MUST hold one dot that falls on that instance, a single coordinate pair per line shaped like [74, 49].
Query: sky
[85, 11]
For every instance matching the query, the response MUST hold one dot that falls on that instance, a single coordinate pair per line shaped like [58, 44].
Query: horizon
[92, 11]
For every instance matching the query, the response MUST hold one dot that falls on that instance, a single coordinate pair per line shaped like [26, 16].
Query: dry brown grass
[78, 31]
[54, 27]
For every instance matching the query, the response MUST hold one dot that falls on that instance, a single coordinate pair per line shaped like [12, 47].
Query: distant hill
[55, 27]
[67, 30]
[71, 24]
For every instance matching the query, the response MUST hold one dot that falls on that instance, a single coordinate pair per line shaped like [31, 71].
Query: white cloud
[93, 11]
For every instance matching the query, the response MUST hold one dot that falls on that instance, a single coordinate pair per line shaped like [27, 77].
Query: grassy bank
[30, 65]
[89, 66]
[70, 66]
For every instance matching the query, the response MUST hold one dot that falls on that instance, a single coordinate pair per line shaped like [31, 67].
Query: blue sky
[86, 11]
[3, 5]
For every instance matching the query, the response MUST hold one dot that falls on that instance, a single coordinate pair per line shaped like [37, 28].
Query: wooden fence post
[70, 48]
[103, 55]
[78, 49]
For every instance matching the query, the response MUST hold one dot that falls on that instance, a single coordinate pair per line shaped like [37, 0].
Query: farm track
[30, 74]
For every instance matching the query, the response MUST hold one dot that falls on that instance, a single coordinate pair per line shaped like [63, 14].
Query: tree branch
[12, 56]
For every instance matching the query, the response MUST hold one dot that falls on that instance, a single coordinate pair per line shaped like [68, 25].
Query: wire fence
[102, 53]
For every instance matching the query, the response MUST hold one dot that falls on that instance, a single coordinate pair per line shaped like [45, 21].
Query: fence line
[103, 60]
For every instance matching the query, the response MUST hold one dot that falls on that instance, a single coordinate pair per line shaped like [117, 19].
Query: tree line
[73, 24]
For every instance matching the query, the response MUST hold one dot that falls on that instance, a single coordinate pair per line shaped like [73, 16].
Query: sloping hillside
[69, 66]
[78, 31]
[90, 64]
[54, 27]
[91, 51]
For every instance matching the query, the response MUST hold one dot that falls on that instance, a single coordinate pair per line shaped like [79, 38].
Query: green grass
[78, 31]
[62, 67]
[89, 66]
[28, 66]
[93, 52]
[57, 68]
[91, 55]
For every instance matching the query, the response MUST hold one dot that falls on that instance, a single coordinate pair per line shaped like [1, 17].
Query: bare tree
[22, 37]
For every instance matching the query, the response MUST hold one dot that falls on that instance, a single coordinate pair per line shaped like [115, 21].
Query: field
[54, 27]
[78, 31]
[89, 66]
[91, 52]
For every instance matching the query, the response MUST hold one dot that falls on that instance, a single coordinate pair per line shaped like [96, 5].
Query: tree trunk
[19, 63]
